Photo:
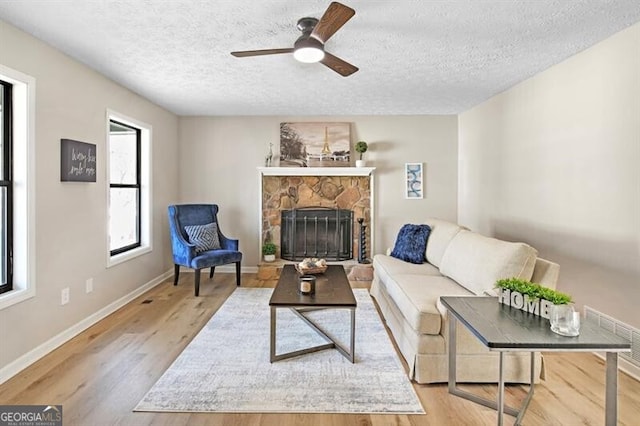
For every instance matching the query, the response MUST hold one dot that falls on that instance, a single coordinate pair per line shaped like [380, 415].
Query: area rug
[226, 367]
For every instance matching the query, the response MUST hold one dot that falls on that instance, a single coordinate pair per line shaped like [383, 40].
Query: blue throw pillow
[205, 237]
[411, 243]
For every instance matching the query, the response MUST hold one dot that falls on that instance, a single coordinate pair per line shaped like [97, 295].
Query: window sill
[16, 296]
[126, 256]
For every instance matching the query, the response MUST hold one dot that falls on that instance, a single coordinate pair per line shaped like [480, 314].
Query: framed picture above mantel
[318, 144]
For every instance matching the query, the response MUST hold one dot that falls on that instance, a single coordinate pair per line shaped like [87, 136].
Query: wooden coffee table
[333, 291]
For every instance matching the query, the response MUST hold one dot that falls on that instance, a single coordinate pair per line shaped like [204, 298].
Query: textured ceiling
[415, 57]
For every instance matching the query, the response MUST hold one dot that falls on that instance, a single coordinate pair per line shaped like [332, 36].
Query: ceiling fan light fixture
[308, 55]
[308, 50]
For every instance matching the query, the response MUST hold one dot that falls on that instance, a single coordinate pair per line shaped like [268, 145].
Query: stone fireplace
[320, 188]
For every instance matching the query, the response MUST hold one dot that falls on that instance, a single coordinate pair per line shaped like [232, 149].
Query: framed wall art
[77, 161]
[414, 181]
[315, 144]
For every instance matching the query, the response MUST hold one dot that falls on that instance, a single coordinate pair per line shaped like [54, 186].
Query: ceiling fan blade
[343, 68]
[336, 15]
[245, 53]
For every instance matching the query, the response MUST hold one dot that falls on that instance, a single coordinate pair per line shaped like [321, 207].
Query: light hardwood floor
[100, 375]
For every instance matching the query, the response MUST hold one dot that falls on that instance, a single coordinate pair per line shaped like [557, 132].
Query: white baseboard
[623, 365]
[35, 354]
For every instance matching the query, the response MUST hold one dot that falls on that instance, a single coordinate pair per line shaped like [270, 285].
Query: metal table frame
[331, 343]
[611, 383]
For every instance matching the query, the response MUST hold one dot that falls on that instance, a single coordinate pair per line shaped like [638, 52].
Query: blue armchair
[197, 241]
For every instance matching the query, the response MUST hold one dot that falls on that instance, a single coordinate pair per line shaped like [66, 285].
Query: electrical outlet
[64, 296]
[89, 285]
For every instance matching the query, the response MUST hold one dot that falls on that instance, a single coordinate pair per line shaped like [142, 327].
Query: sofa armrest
[545, 273]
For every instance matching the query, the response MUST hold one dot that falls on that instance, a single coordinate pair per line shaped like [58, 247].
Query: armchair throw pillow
[205, 237]
[411, 243]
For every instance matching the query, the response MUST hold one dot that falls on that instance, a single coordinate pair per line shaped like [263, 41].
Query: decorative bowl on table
[311, 265]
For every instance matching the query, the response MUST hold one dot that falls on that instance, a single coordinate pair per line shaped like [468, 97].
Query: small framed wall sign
[77, 161]
[414, 181]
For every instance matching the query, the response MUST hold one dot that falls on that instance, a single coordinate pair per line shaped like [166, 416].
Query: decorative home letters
[540, 307]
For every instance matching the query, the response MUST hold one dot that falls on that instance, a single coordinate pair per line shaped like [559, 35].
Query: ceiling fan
[310, 46]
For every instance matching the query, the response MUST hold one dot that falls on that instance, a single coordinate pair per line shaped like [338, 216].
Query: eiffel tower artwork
[315, 144]
[325, 149]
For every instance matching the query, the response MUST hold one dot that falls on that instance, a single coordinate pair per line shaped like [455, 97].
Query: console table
[502, 328]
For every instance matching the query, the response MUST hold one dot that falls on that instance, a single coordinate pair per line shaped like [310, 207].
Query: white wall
[219, 156]
[555, 162]
[71, 218]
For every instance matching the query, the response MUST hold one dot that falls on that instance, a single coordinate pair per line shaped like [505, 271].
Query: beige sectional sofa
[458, 263]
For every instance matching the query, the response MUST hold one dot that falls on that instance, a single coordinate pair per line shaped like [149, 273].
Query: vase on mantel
[361, 163]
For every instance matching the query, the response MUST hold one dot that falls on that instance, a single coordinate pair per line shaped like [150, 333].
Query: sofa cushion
[416, 296]
[387, 265]
[411, 243]
[477, 262]
[441, 234]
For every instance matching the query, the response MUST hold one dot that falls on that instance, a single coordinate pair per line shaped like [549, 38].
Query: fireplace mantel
[316, 171]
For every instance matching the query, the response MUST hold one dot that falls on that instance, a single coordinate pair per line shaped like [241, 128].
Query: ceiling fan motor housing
[307, 24]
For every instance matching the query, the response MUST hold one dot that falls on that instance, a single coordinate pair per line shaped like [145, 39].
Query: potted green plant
[542, 301]
[361, 148]
[269, 251]
[533, 291]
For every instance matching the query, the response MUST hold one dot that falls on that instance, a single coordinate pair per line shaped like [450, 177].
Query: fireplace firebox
[316, 232]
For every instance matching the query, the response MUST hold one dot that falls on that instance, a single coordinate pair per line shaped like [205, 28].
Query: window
[17, 190]
[129, 170]
[6, 189]
[124, 187]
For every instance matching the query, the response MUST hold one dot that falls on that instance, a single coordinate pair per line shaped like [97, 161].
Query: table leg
[272, 336]
[501, 390]
[611, 401]
[452, 353]
[454, 390]
[353, 335]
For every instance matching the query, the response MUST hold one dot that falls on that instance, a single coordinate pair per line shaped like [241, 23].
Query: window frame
[137, 186]
[6, 181]
[145, 199]
[23, 153]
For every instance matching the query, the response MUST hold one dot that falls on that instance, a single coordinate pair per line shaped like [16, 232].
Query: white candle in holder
[307, 284]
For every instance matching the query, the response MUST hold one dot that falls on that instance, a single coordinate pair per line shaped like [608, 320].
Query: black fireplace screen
[316, 232]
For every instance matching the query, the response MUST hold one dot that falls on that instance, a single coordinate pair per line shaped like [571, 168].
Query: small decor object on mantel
[542, 301]
[268, 160]
[312, 265]
[269, 251]
[361, 148]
